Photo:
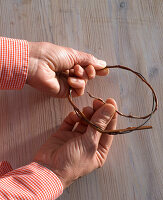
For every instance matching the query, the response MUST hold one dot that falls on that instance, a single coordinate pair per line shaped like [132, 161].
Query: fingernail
[101, 63]
[76, 80]
[108, 110]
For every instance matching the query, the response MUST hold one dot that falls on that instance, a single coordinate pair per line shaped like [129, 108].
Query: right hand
[70, 153]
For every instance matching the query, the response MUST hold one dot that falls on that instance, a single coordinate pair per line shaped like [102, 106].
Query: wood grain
[121, 32]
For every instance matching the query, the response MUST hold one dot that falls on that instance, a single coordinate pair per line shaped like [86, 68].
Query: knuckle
[73, 55]
[73, 51]
[102, 122]
[90, 56]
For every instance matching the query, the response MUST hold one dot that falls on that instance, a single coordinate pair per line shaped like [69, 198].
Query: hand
[71, 153]
[54, 68]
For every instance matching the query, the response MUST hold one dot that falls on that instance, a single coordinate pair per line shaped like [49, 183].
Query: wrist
[32, 62]
[63, 180]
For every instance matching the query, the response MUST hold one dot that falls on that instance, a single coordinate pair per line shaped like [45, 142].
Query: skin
[80, 146]
[53, 69]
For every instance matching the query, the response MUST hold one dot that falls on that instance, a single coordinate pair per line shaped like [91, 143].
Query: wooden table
[121, 32]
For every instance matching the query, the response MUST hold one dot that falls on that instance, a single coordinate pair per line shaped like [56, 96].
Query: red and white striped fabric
[13, 63]
[32, 181]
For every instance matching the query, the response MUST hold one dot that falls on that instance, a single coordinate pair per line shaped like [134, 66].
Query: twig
[126, 130]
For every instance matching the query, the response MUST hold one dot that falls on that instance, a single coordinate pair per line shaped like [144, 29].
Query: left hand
[47, 62]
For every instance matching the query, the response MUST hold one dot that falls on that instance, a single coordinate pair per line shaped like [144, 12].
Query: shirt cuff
[32, 181]
[43, 180]
[14, 61]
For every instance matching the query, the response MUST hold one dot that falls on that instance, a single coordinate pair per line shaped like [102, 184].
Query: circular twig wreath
[126, 130]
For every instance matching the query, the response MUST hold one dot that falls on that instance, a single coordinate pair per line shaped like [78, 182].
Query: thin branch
[126, 130]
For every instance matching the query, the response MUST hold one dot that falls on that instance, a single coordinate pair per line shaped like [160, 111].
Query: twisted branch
[128, 129]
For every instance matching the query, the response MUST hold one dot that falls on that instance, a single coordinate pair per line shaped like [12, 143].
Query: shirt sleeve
[31, 182]
[14, 60]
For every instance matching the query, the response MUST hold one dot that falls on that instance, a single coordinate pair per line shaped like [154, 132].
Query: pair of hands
[76, 148]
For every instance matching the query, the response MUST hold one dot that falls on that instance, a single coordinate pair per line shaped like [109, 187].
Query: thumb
[85, 59]
[101, 118]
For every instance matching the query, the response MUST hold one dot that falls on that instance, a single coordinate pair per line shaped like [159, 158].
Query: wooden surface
[121, 32]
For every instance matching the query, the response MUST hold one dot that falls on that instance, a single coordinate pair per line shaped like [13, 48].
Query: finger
[103, 72]
[69, 122]
[85, 59]
[77, 91]
[82, 126]
[101, 118]
[106, 140]
[80, 72]
[78, 86]
[91, 72]
[68, 72]
[76, 82]
[97, 104]
[113, 102]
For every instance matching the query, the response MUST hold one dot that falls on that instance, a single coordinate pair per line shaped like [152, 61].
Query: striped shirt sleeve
[14, 60]
[31, 182]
